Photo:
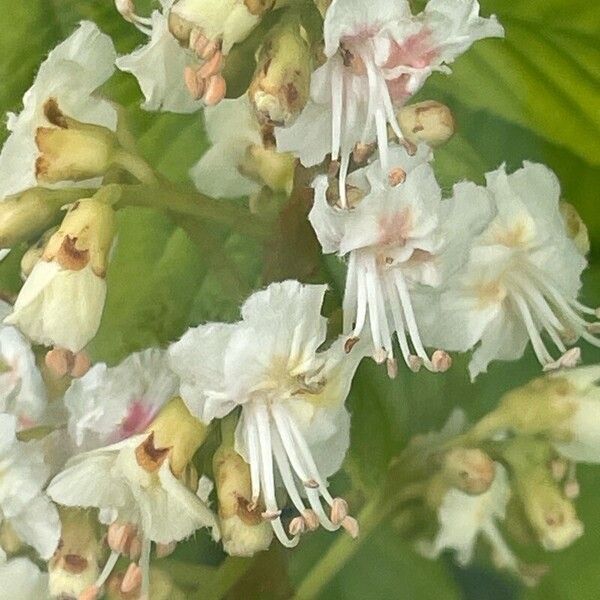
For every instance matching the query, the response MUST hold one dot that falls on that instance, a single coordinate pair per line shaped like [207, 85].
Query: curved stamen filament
[145, 566]
[259, 418]
[107, 570]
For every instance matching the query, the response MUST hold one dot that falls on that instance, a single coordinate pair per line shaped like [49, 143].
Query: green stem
[342, 550]
[195, 205]
[223, 579]
[136, 166]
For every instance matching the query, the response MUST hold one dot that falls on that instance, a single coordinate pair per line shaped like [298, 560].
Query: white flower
[49, 308]
[239, 162]
[132, 482]
[159, 66]
[22, 390]
[378, 55]
[522, 278]
[583, 425]
[23, 505]
[110, 404]
[392, 238]
[463, 518]
[291, 398]
[20, 579]
[62, 300]
[70, 75]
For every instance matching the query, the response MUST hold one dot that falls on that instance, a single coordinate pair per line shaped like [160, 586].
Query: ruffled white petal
[159, 68]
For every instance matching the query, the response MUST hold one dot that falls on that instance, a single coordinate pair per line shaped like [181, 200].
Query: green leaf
[543, 75]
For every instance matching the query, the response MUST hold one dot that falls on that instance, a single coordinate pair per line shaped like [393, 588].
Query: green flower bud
[281, 84]
[576, 228]
[71, 150]
[430, 122]
[243, 530]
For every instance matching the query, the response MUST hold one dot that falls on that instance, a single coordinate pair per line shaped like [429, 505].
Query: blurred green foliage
[534, 95]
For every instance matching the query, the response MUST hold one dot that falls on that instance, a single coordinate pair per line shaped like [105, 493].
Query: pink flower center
[395, 228]
[416, 51]
[138, 417]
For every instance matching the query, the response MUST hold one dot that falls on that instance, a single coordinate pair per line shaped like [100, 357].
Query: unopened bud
[75, 565]
[177, 430]
[62, 300]
[84, 237]
[430, 122]
[243, 530]
[575, 227]
[27, 215]
[269, 167]
[281, 84]
[34, 253]
[71, 150]
[469, 469]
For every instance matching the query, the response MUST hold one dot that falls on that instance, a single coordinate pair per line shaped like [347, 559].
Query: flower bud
[575, 227]
[468, 469]
[551, 516]
[430, 122]
[177, 431]
[27, 215]
[281, 84]
[243, 530]
[269, 167]
[62, 300]
[71, 150]
[75, 564]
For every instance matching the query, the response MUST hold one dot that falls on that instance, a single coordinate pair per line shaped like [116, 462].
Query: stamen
[568, 360]
[396, 176]
[339, 511]
[571, 488]
[392, 368]
[132, 580]
[349, 305]
[311, 519]
[373, 305]
[337, 101]
[342, 181]
[411, 321]
[107, 570]
[361, 313]
[297, 526]
[254, 456]
[441, 361]
[350, 524]
[539, 347]
[145, 568]
[283, 466]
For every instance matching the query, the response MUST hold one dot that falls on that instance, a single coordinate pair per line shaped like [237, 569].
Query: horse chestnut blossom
[70, 75]
[392, 236]
[291, 397]
[159, 65]
[24, 507]
[137, 484]
[378, 55]
[522, 279]
[179, 69]
[464, 517]
[243, 156]
[110, 404]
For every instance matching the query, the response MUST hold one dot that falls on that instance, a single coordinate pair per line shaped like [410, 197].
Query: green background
[535, 96]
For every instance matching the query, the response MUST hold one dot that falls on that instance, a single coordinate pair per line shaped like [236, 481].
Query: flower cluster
[100, 463]
[515, 469]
